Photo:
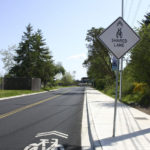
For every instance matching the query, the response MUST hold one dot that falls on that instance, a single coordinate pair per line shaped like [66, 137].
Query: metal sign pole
[118, 38]
[122, 8]
[121, 60]
[117, 74]
[121, 68]
[115, 106]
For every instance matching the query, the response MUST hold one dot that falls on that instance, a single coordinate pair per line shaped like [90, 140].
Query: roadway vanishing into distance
[42, 121]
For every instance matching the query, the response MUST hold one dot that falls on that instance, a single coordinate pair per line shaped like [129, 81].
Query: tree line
[98, 62]
[32, 58]
[136, 74]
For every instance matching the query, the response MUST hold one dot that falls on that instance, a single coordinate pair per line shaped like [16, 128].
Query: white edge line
[85, 143]
[22, 95]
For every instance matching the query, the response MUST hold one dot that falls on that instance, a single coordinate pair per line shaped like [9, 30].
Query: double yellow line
[28, 106]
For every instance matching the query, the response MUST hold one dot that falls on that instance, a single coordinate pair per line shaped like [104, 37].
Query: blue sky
[64, 24]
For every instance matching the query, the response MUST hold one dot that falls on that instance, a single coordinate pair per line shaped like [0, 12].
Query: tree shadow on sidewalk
[105, 103]
[111, 140]
[111, 104]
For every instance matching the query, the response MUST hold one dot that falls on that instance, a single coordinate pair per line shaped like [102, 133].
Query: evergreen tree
[146, 21]
[23, 67]
[43, 66]
[33, 58]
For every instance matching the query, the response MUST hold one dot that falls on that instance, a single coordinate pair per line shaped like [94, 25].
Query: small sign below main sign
[119, 37]
[114, 64]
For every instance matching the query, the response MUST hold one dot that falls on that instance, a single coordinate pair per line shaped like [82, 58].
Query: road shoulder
[22, 95]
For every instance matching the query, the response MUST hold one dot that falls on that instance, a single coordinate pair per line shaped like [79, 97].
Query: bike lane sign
[119, 38]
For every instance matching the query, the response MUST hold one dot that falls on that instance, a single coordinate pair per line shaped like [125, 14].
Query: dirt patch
[145, 110]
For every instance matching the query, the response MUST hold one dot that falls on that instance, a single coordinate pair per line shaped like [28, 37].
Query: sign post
[118, 38]
[116, 96]
[121, 61]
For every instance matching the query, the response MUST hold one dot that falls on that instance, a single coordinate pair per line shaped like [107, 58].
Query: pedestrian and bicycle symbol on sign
[119, 38]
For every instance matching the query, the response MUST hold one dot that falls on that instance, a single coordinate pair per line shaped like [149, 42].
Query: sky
[64, 24]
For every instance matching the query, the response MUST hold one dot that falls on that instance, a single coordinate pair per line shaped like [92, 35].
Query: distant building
[85, 81]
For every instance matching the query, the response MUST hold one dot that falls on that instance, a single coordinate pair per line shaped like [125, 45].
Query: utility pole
[116, 97]
[121, 60]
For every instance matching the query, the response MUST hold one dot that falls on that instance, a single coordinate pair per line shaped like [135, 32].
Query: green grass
[8, 93]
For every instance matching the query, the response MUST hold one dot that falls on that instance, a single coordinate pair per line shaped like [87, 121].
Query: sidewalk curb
[85, 141]
[91, 130]
[94, 136]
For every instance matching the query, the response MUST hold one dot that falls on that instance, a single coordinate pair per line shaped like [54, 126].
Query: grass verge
[8, 93]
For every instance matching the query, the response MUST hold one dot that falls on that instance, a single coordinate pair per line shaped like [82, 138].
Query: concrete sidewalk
[132, 126]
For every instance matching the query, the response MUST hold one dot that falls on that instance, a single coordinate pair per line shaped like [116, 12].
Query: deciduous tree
[98, 62]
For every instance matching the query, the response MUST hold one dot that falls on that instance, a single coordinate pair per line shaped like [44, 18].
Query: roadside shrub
[100, 84]
[143, 90]
[127, 88]
[110, 90]
[140, 87]
[145, 98]
[132, 99]
[140, 95]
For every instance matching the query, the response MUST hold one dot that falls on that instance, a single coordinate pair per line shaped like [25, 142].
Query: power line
[136, 12]
[126, 4]
[131, 4]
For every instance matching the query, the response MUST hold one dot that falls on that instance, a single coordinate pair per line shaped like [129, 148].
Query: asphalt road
[38, 122]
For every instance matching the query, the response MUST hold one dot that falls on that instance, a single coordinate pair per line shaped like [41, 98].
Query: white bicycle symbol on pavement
[45, 144]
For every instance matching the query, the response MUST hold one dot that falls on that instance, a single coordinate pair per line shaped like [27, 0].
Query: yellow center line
[28, 106]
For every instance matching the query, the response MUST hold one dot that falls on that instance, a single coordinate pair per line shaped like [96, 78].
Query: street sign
[119, 38]
[114, 64]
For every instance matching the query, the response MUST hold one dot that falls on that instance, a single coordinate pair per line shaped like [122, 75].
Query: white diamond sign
[119, 37]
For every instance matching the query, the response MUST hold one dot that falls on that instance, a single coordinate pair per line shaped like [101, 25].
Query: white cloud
[77, 56]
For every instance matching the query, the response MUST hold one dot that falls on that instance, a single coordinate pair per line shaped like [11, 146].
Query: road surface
[41, 121]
